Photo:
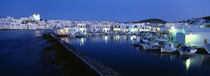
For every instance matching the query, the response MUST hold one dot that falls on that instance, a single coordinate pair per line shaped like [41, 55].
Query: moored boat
[186, 50]
[151, 46]
[168, 48]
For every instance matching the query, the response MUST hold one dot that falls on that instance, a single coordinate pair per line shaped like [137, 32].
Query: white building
[11, 23]
[35, 17]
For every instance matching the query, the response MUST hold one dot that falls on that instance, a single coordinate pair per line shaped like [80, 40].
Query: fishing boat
[186, 50]
[151, 46]
[149, 36]
[161, 41]
[107, 33]
[168, 48]
[79, 36]
[143, 40]
[135, 40]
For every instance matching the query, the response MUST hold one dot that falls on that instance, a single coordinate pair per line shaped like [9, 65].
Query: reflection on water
[82, 41]
[187, 64]
[26, 53]
[106, 38]
[133, 37]
[38, 33]
[21, 54]
[71, 65]
[118, 53]
[117, 37]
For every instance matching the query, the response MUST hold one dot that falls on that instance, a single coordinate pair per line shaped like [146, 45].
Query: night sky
[108, 10]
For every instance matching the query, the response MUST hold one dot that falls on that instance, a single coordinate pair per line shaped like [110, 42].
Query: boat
[186, 50]
[106, 33]
[168, 48]
[151, 46]
[160, 42]
[135, 41]
[143, 41]
[138, 33]
[161, 39]
[122, 33]
[207, 46]
[149, 36]
[78, 36]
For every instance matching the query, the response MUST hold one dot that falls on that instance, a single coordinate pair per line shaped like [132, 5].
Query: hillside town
[34, 22]
[83, 27]
[190, 28]
[105, 38]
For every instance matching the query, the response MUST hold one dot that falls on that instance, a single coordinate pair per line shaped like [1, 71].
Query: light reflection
[67, 40]
[62, 39]
[117, 37]
[105, 38]
[202, 58]
[134, 37]
[38, 33]
[187, 64]
[131, 37]
[125, 37]
[82, 41]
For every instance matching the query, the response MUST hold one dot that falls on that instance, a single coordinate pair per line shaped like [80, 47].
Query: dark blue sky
[108, 10]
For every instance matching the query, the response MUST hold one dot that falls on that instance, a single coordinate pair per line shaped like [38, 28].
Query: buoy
[205, 41]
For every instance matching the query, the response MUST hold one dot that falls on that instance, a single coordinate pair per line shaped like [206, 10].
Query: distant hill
[206, 18]
[152, 20]
[196, 20]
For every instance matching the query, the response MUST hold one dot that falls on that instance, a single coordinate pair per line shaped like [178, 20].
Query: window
[127, 27]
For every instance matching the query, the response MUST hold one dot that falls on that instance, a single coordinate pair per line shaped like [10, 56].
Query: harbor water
[22, 53]
[118, 53]
[26, 53]
[29, 53]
